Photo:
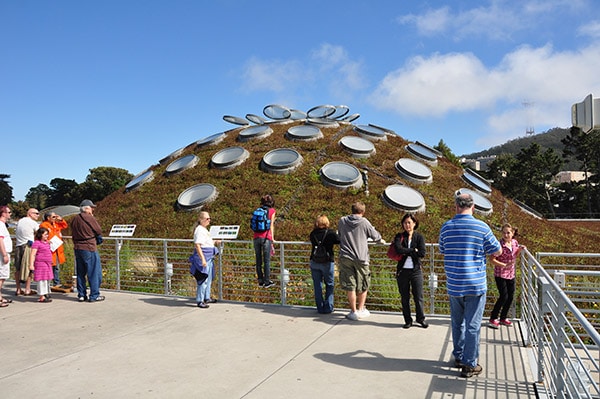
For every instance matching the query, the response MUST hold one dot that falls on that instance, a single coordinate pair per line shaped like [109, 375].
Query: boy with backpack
[262, 223]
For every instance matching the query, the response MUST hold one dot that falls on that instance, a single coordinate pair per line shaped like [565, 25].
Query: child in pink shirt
[40, 262]
[504, 274]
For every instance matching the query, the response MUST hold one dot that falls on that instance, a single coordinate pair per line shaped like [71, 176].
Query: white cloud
[328, 66]
[459, 82]
[590, 29]
[276, 76]
[497, 20]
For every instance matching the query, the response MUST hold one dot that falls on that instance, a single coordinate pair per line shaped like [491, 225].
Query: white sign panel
[224, 232]
[122, 230]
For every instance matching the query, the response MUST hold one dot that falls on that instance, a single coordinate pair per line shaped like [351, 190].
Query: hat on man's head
[87, 203]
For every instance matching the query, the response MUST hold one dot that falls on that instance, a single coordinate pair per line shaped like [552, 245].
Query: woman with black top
[323, 272]
[408, 270]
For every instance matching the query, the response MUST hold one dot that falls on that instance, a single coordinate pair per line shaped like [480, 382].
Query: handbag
[392, 253]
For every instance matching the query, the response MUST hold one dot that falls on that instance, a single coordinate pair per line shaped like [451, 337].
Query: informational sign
[122, 230]
[224, 232]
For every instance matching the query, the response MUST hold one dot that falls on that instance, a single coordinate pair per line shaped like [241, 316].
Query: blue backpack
[260, 220]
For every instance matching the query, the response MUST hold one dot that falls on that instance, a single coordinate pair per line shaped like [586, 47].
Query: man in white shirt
[25, 233]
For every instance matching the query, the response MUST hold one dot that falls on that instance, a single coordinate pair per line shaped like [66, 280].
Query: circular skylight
[422, 153]
[403, 198]
[476, 181]
[255, 132]
[259, 120]
[297, 114]
[304, 132]
[370, 132]
[341, 175]
[385, 129]
[357, 147]
[436, 152]
[212, 139]
[277, 112]
[181, 164]
[340, 111]
[229, 157]
[350, 118]
[236, 120]
[413, 170]
[281, 161]
[197, 196]
[321, 111]
[482, 204]
[172, 155]
[324, 122]
[140, 179]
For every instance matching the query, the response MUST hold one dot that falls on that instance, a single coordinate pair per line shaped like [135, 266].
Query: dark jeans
[262, 250]
[87, 265]
[506, 291]
[407, 279]
[323, 273]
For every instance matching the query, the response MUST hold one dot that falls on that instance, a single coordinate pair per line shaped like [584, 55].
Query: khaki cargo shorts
[354, 275]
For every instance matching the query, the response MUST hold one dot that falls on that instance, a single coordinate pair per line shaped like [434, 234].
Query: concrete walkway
[137, 345]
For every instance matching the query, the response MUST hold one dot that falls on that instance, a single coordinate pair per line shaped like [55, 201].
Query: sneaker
[352, 316]
[99, 298]
[423, 323]
[363, 313]
[494, 323]
[210, 300]
[506, 322]
[82, 299]
[269, 284]
[202, 305]
[468, 371]
[406, 326]
[458, 364]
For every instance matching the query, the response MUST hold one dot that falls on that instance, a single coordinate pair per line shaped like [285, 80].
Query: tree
[37, 197]
[527, 176]
[447, 152]
[63, 191]
[585, 148]
[6, 191]
[102, 181]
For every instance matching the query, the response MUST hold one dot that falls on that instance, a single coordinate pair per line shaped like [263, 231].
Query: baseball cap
[87, 202]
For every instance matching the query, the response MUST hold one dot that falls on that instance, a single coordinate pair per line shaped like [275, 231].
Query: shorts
[4, 270]
[20, 250]
[354, 275]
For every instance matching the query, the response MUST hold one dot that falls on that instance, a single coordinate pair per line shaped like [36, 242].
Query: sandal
[6, 300]
[44, 300]
[31, 292]
[3, 304]
[19, 292]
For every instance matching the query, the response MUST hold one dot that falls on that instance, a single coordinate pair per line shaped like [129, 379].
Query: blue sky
[124, 83]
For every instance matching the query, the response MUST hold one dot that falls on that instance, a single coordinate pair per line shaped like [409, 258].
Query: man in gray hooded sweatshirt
[355, 276]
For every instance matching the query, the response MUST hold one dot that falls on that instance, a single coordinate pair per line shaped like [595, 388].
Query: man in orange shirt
[55, 223]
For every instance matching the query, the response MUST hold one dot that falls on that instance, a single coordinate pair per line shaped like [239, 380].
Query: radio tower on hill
[529, 130]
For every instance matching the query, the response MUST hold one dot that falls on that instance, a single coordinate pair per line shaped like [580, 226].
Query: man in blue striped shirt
[465, 241]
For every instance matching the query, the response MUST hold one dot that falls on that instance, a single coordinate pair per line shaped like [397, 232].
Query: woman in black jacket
[322, 271]
[408, 270]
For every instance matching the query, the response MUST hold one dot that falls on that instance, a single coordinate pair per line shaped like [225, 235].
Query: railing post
[284, 275]
[165, 267]
[544, 307]
[118, 264]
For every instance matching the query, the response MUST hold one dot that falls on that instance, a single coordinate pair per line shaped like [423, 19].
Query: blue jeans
[88, 265]
[210, 266]
[323, 273]
[262, 250]
[466, 313]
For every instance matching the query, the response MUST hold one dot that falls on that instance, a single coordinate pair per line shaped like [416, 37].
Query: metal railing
[564, 343]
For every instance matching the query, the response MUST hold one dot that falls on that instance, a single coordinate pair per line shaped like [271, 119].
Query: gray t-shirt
[354, 231]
